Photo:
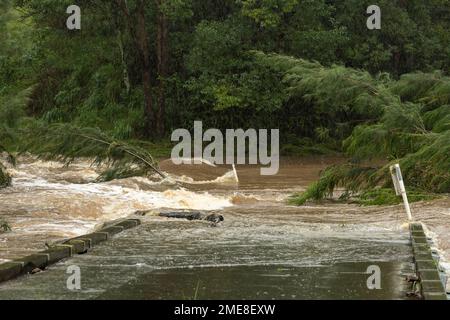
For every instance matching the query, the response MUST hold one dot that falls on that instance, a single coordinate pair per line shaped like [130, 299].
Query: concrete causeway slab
[167, 259]
[64, 250]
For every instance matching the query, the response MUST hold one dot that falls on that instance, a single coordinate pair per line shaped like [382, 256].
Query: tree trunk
[141, 38]
[115, 17]
[162, 47]
[126, 77]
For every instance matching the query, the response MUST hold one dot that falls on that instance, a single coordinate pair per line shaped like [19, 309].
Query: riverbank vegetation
[388, 197]
[65, 143]
[138, 70]
[370, 197]
[413, 130]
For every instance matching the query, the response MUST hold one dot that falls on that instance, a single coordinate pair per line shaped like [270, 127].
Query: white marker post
[400, 189]
[235, 173]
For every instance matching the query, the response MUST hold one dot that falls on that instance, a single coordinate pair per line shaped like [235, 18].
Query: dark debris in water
[191, 216]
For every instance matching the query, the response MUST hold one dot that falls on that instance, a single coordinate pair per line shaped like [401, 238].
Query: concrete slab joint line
[427, 266]
[79, 246]
[86, 240]
[46, 255]
[13, 269]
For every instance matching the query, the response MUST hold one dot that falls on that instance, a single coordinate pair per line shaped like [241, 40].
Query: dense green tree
[139, 69]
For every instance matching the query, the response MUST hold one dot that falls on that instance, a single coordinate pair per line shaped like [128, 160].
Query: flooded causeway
[265, 248]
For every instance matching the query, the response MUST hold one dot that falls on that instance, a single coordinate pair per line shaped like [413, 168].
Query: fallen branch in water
[214, 218]
[63, 142]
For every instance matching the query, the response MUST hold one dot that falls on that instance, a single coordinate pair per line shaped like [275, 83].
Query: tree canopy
[140, 69]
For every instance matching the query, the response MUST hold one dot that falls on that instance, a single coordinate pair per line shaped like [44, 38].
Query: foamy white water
[48, 201]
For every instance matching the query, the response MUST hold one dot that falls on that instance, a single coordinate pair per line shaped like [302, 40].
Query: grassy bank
[373, 197]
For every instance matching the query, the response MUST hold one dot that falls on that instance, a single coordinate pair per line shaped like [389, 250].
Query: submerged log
[195, 215]
[215, 218]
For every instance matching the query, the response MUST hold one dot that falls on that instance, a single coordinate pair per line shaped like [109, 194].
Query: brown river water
[49, 202]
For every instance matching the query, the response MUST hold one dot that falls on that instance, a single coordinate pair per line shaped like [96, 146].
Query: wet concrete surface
[167, 259]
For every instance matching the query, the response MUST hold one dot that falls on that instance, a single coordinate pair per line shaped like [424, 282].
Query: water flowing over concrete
[284, 252]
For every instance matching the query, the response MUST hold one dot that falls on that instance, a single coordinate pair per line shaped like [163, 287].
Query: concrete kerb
[77, 245]
[427, 267]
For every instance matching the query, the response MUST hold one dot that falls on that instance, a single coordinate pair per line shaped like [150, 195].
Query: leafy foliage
[349, 176]
[11, 112]
[268, 13]
[414, 133]
[67, 142]
[93, 78]
[309, 68]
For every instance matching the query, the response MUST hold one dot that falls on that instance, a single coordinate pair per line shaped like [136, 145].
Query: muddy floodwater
[265, 248]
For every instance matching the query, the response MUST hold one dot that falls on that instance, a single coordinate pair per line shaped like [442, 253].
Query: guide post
[400, 189]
